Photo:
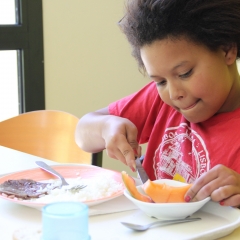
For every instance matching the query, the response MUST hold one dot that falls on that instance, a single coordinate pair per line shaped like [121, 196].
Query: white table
[101, 227]
[13, 161]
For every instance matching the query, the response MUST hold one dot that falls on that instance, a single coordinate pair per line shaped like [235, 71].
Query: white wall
[88, 61]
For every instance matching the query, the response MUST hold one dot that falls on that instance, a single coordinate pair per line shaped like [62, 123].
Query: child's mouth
[191, 106]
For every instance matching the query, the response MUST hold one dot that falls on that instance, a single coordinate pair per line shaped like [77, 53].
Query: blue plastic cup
[65, 221]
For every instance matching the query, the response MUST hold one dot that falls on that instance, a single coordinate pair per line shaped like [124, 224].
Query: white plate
[68, 171]
[167, 210]
[217, 221]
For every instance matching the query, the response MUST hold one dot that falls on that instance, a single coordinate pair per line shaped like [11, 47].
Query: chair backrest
[46, 133]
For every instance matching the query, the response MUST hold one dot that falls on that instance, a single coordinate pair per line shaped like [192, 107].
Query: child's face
[190, 78]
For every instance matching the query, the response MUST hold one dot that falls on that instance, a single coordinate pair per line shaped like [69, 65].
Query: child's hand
[120, 137]
[99, 130]
[220, 183]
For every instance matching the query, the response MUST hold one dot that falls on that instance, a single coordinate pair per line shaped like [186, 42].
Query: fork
[47, 168]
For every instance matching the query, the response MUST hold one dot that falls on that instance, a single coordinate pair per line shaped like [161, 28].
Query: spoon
[47, 168]
[138, 227]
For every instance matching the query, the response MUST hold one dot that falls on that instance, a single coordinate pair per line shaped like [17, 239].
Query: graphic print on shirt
[182, 151]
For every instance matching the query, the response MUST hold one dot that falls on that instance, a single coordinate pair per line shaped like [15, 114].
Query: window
[21, 56]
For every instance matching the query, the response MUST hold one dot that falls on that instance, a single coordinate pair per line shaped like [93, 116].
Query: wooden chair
[48, 134]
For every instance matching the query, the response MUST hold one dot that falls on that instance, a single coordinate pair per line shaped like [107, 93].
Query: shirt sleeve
[141, 108]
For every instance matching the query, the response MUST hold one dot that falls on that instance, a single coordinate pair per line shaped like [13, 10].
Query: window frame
[27, 38]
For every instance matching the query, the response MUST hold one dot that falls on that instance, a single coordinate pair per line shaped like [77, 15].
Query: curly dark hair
[212, 23]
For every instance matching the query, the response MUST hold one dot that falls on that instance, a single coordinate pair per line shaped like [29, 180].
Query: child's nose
[175, 92]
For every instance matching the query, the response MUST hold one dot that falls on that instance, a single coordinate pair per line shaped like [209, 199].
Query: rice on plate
[96, 188]
[101, 185]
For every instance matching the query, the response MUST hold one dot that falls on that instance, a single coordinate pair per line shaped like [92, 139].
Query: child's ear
[230, 53]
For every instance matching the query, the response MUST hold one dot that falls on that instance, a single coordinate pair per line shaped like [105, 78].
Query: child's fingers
[218, 183]
[233, 201]
[202, 187]
[129, 156]
[131, 136]
[123, 153]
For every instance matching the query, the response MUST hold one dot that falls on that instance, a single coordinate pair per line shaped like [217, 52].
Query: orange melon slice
[130, 185]
[177, 194]
[163, 193]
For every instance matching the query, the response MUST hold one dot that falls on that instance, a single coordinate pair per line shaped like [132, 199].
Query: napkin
[118, 204]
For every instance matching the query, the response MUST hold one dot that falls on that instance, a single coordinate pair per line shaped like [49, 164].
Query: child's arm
[222, 184]
[99, 130]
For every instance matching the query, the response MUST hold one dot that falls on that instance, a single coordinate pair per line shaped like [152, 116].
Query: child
[189, 113]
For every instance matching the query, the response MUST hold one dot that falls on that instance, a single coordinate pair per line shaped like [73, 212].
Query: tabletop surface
[101, 227]
[13, 161]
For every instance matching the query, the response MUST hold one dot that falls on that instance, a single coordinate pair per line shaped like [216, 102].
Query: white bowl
[167, 210]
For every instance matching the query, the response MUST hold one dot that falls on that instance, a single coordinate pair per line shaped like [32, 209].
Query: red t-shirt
[176, 146]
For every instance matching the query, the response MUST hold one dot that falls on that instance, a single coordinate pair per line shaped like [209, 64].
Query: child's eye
[185, 75]
[161, 83]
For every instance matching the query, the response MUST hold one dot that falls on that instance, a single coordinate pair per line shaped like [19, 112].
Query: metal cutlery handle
[139, 227]
[47, 168]
[166, 222]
